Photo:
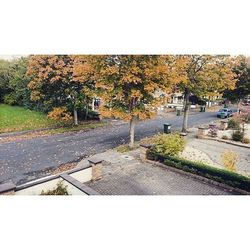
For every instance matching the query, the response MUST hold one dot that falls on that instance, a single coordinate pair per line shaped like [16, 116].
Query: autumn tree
[131, 85]
[84, 72]
[53, 82]
[204, 75]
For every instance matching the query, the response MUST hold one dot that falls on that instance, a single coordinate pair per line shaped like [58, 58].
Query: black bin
[167, 128]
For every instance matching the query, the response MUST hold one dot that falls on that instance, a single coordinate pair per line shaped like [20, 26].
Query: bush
[168, 144]
[237, 135]
[9, 99]
[59, 190]
[234, 124]
[246, 118]
[60, 114]
[224, 137]
[245, 140]
[220, 175]
[229, 159]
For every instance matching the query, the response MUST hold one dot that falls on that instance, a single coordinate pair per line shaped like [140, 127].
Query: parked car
[174, 105]
[246, 102]
[224, 113]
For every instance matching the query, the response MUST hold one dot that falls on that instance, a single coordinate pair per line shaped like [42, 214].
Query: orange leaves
[128, 84]
[110, 70]
[136, 94]
[50, 68]
[61, 79]
[36, 95]
[60, 114]
[149, 87]
[83, 69]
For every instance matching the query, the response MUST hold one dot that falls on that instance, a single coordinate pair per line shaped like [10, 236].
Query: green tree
[204, 75]
[4, 79]
[19, 94]
[242, 86]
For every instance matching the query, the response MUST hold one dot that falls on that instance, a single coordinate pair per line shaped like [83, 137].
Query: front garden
[168, 149]
[235, 129]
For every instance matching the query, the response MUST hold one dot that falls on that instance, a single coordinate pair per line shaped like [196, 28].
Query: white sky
[10, 57]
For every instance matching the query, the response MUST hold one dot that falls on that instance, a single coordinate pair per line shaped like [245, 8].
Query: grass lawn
[13, 118]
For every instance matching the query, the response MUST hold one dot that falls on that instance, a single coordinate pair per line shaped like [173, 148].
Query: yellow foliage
[229, 159]
[60, 114]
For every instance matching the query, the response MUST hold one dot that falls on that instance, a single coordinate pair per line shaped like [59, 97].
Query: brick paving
[126, 174]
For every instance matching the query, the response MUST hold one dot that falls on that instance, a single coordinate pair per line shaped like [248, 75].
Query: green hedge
[219, 175]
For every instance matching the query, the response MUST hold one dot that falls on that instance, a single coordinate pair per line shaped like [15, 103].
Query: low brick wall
[73, 179]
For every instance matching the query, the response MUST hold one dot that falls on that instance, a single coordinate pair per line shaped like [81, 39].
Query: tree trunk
[132, 132]
[87, 112]
[186, 109]
[238, 106]
[93, 104]
[75, 117]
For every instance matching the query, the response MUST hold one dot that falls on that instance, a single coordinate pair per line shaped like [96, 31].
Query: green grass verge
[13, 118]
[125, 148]
[219, 175]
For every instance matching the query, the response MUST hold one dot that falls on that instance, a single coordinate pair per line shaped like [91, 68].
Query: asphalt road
[29, 159]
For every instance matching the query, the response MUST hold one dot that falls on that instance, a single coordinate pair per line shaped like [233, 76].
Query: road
[25, 160]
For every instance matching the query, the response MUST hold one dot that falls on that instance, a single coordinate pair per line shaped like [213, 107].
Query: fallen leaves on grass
[30, 135]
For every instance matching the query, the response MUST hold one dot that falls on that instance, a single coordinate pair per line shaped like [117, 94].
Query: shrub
[9, 99]
[246, 118]
[237, 135]
[59, 190]
[60, 114]
[224, 137]
[229, 159]
[234, 124]
[168, 144]
[245, 140]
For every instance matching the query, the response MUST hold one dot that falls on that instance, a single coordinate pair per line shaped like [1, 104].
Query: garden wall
[73, 180]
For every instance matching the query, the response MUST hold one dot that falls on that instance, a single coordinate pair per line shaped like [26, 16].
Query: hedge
[219, 175]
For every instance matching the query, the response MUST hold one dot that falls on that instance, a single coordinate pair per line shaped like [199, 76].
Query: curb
[227, 142]
[201, 178]
[3, 135]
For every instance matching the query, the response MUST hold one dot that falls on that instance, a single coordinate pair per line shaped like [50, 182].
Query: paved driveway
[215, 149]
[30, 159]
[126, 174]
